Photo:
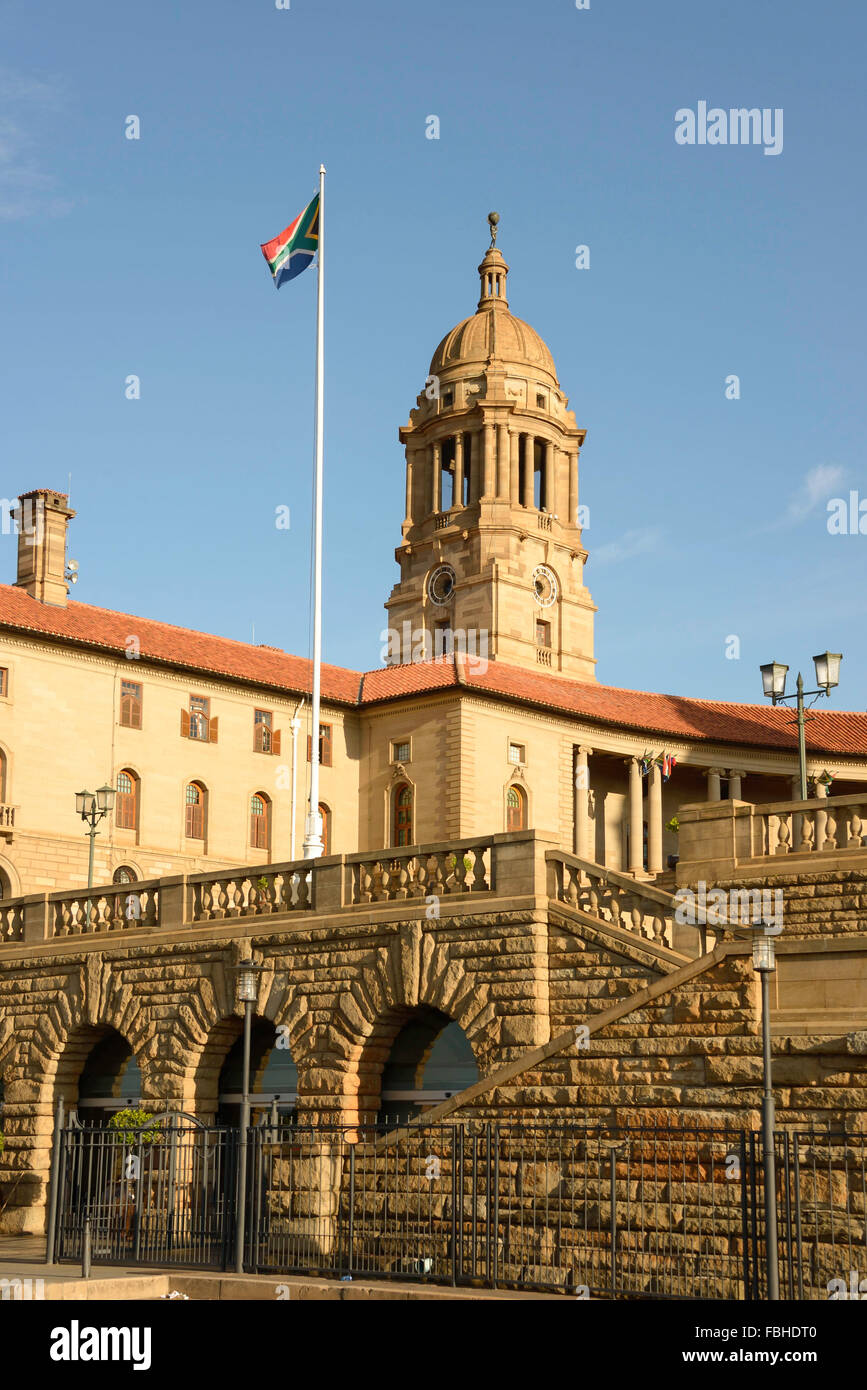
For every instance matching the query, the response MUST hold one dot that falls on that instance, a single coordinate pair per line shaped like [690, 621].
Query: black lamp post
[764, 963]
[774, 685]
[246, 993]
[93, 807]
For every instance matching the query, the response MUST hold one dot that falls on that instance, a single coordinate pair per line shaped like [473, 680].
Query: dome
[492, 333]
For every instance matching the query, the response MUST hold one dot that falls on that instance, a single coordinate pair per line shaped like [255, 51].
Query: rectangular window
[263, 730]
[543, 633]
[517, 753]
[130, 704]
[4, 680]
[196, 722]
[444, 639]
[400, 752]
[324, 745]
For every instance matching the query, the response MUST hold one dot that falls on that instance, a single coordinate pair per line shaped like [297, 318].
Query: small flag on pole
[293, 250]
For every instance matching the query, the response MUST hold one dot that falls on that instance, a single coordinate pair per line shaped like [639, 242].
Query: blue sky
[708, 515]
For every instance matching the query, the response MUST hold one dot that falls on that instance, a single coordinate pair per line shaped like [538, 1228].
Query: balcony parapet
[7, 820]
[717, 837]
[512, 865]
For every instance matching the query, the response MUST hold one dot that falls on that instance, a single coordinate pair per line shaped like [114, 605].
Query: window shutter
[275, 743]
[213, 730]
[185, 723]
[308, 747]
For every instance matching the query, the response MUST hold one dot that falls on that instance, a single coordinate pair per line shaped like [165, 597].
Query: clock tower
[491, 560]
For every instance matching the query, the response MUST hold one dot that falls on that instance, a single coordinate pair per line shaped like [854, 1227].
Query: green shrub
[128, 1124]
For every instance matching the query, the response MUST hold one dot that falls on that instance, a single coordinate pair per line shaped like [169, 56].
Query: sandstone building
[499, 859]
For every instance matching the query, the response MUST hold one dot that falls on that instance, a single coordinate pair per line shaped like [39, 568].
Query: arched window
[194, 828]
[402, 828]
[5, 886]
[126, 805]
[110, 1080]
[260, 821]
[430, 1060]
[124, 874]
[326, 828]
[273, 1076]
[516, 808]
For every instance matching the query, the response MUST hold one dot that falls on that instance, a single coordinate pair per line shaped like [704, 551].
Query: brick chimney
[42, 517]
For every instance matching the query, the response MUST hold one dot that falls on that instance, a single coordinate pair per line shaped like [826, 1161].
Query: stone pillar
[489, 461]
[654, 820]
[409, 462]
[514, 469]
[714, 790]
[550, 488]
[527, 499]
[459, 469]
[735, 779]
[636, 818]
[435, 474]
[503, 460]
[572, 463]
[583, 824]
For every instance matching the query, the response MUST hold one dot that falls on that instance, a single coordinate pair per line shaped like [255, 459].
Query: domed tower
[491, 560]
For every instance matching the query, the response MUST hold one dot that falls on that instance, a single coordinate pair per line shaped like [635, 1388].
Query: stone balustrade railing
[616, 898]
[717, 837]
[254, 892]
[7, 816]
[259, 891]
[822, 825]
[422, 871]
[108, 909]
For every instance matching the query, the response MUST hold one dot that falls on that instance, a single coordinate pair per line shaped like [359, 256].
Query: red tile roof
[828, 731]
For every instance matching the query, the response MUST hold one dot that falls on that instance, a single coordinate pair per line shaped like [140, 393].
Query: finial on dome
[493, 271]
[493, 219]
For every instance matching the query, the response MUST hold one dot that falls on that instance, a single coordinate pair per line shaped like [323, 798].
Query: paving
[23, 1257]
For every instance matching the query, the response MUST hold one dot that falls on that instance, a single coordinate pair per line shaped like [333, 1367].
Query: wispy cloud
[631, 543]
[815, 491]
[26, 189]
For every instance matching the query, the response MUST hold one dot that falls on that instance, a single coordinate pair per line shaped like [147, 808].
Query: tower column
[488, 463]
[572, 464]
[514, 473]
[409, 462]
[503, 460]
[459, 469]
[550, 490]
[529, 442]
[435, 477]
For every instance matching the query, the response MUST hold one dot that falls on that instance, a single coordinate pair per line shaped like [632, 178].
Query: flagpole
[313, 832]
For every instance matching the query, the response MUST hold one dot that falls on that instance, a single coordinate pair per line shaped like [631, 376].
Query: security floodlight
[774, 678]
[828, 669]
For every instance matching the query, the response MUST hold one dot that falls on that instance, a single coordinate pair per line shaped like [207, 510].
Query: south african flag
[293, 250]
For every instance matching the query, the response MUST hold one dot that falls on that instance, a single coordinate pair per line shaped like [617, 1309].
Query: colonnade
[494, 463]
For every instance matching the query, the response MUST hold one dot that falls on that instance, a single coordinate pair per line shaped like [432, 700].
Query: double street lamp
[93, 807]
[774, 685]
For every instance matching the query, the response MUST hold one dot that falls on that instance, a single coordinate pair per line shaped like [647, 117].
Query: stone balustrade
[326, 885]
[619, 899]
[717, 837]
[421, 872]
[7, 816]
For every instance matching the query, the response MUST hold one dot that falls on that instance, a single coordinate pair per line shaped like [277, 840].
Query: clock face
[441, 585]
[545, 587]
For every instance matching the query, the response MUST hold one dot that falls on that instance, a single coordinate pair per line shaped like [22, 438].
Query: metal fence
[619, 1212]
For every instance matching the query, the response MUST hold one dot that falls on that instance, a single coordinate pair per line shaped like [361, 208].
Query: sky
[709, 540]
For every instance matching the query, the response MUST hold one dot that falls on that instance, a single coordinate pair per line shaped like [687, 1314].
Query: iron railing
[635, 1211]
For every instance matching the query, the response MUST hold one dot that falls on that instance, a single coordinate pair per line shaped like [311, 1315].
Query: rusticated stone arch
[340, 1062]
